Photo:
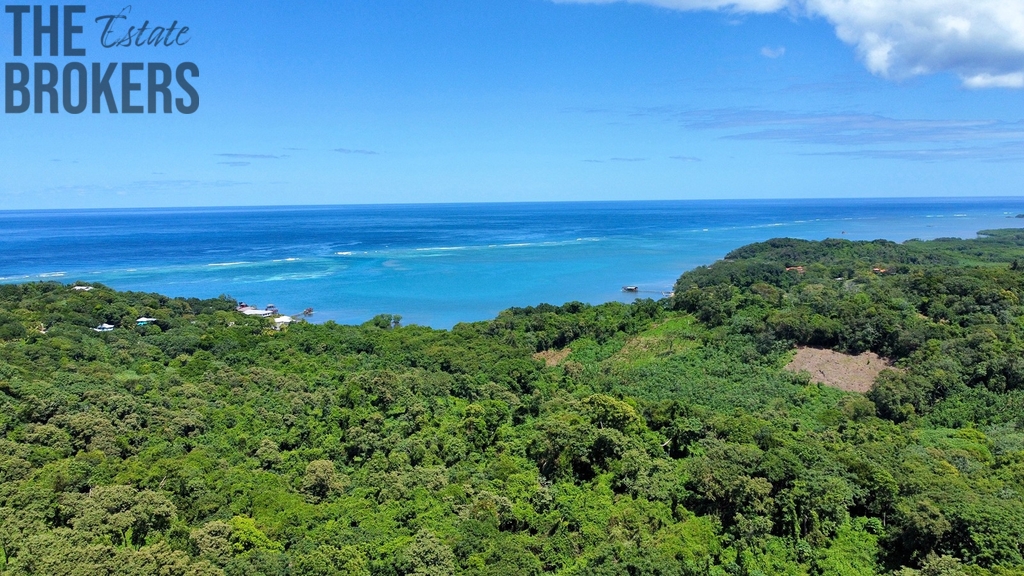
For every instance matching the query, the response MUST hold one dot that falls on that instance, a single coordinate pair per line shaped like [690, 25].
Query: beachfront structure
[282, 321]
[254, 311]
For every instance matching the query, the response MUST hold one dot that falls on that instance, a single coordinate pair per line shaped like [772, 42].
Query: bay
[440, 264]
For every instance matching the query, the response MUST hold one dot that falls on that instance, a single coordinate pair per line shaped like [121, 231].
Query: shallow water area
[442, 264]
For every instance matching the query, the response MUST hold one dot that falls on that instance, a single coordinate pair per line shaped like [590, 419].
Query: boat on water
[630, 288]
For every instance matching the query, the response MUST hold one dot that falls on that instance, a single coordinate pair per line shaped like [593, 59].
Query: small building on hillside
[102, 328]
[144, 321]
[260, 313]
[83, 288]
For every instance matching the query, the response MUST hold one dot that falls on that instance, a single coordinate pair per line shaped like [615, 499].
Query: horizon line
[511, 202]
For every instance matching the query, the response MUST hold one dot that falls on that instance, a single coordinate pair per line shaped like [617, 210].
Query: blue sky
[533, 100]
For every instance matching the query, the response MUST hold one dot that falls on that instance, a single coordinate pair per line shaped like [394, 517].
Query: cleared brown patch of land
[843, 371]
[552, 357]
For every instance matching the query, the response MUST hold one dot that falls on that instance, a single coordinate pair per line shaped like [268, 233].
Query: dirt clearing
[849, 373]
[552, 357]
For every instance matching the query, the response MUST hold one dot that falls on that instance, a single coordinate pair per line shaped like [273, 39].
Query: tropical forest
[796, 408]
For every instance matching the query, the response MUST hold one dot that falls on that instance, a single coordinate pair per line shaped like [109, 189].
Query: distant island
[798, 407]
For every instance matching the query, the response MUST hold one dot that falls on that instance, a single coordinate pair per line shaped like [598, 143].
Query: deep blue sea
[442, 264]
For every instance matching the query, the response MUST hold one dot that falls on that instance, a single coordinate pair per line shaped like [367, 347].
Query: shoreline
[640, 412]
[627, 296]
[437, 267]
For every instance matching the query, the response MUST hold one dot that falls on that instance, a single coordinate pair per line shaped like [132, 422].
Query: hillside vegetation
[657, 438]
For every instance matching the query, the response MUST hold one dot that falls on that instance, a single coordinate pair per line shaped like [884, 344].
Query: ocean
[438, 265]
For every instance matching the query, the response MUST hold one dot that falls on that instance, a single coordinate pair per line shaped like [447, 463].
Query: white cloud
[982, 41]
[356, 151]
[863, 135]
[769, 52]
[1012, 80]
[731, 5]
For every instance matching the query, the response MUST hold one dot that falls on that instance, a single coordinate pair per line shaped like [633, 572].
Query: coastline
[423, 261]
[406, 438]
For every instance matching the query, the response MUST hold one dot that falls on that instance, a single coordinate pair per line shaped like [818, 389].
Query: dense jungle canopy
[654, 438]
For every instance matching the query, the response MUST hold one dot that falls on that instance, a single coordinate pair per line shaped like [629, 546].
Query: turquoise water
[442, 264]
